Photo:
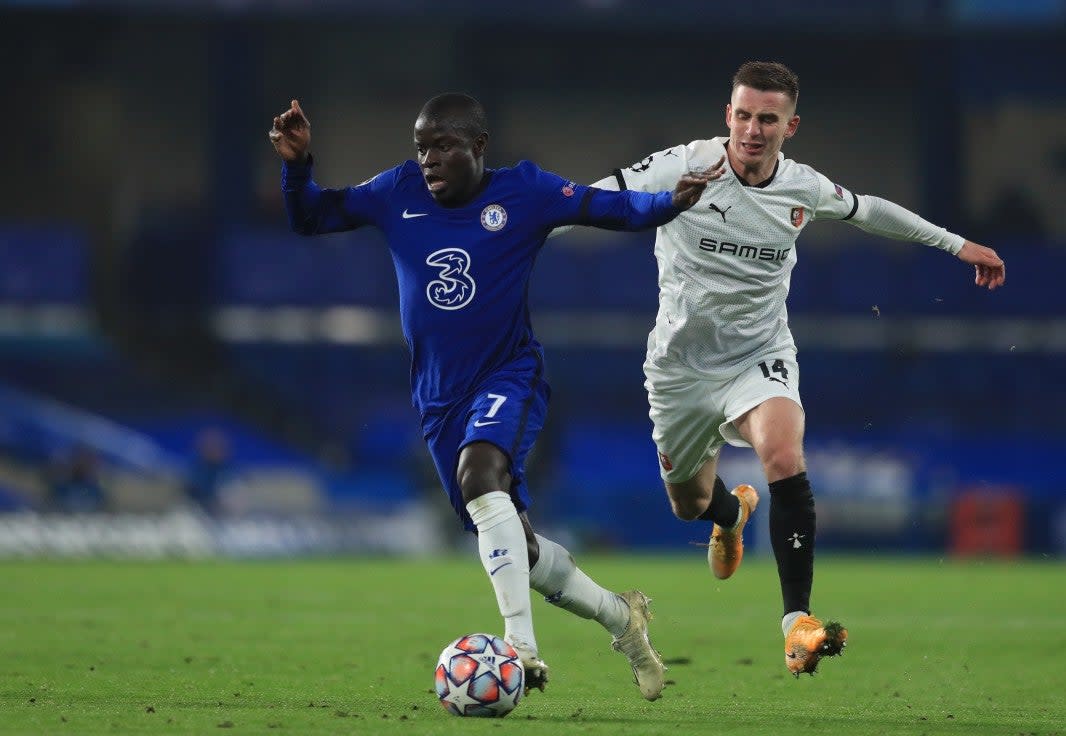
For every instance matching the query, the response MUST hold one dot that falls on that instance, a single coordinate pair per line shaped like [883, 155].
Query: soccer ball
[479, 675]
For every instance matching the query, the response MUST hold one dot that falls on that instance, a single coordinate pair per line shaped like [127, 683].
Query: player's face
[452, 162]
[759, 122]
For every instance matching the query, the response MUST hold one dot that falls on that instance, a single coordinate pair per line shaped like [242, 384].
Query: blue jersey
[463, 272]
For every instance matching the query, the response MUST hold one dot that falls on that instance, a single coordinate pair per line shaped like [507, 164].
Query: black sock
[724, 506]
[792, 537]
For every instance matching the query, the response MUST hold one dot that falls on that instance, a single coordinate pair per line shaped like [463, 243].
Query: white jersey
[725, 264]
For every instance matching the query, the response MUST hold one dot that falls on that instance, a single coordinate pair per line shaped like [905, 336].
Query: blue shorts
[508, 410]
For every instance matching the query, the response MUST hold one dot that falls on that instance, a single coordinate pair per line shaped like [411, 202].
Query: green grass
[348, 646]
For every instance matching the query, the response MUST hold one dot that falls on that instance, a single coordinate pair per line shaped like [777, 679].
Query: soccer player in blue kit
[463, 239]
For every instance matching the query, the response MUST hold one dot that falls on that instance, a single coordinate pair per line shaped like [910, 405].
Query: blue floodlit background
[179, 375]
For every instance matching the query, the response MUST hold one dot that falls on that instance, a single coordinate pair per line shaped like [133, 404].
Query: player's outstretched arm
[291, 134]
[991, 273]
[686, 193]
[636, 210]
[608, 183]
[881, 217]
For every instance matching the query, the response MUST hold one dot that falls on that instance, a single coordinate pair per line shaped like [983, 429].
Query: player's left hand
[991, 272]
[291, 134]
[690, 186]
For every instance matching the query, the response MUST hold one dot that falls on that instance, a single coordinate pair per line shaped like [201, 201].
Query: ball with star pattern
[479, 675]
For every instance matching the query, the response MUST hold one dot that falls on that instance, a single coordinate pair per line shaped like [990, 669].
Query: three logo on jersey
[454, 287]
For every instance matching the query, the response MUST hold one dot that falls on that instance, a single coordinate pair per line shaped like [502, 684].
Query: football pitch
[349, 646]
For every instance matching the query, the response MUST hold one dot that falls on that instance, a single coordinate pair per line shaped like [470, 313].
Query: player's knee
[686, 509]
[783, 462]
[533, 551]
[475, 482]
[482, 470]
[688, 500]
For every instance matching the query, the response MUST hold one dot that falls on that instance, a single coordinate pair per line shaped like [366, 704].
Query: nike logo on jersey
[408, 215]
[480, 423]
[493, 572]
[720, 211]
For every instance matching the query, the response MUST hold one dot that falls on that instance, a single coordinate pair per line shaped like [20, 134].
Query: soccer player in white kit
[721, 361]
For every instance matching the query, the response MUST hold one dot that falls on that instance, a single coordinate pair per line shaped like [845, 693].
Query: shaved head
[456, 111]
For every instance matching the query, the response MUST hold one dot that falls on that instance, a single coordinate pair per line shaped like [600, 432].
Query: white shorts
[693, 416]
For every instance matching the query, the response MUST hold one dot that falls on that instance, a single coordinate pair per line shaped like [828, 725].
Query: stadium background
[179, 375]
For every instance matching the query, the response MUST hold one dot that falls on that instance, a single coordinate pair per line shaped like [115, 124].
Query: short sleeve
[657, 172]
[834, 201]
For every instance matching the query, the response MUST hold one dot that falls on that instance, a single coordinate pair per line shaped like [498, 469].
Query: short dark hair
[768, 76]
[458, 111]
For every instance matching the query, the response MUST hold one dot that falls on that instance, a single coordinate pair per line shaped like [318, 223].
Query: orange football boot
[808, 641]
[726, 548]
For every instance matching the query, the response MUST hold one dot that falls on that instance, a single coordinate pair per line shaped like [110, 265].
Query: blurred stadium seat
[147, 277]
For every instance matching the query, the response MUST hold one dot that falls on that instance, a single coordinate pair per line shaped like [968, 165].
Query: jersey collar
[762, 184]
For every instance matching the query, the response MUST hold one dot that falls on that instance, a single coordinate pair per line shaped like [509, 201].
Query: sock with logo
[562, 583]
[501, 542]
[724, 509]
[792, 538]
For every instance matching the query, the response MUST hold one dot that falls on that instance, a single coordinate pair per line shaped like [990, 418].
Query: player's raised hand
[690, 186]
[291, 134]
[991, 272]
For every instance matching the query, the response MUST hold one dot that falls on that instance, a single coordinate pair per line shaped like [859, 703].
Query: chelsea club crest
[493, 217]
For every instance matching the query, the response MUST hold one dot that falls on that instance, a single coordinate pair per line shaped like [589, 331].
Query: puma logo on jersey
[720, 211]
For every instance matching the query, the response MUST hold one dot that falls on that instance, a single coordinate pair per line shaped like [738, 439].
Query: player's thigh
[765, 413]
[500, 422]
[685, 415]
[508, 412]
[445, 433]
